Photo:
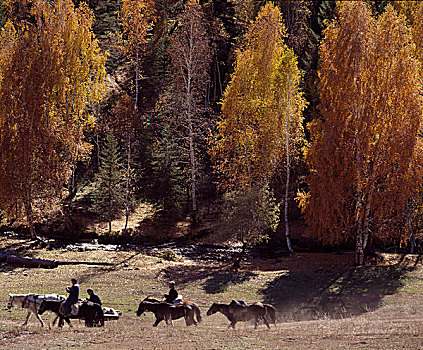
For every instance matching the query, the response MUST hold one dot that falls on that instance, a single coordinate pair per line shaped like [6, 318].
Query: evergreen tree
[109, 195]
[2, 15]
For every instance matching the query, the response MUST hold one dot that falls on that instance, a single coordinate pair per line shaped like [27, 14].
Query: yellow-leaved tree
[261, 125]
[362, 152]
[51, 68]
[137, 20]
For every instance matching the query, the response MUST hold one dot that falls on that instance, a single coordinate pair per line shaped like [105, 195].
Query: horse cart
[111, 314]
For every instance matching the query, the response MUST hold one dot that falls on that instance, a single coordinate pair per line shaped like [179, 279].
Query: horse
[271, 311]
[31, 302]
[193, 305]
[90, 312]
[167, 312]
[235, 312]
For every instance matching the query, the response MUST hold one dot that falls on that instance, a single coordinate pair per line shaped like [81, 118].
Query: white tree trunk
[288, 174]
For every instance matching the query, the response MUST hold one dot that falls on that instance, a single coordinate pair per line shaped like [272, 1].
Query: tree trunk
[288, 174]
[136, 78]
[127, 196]
[29, 214]
[359, 247]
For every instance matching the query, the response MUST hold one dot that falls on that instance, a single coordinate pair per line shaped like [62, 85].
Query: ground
[323, 302]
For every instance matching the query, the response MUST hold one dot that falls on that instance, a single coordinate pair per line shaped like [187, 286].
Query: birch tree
[191, 56]
[261, 110]
[49, 69]
[362, 152]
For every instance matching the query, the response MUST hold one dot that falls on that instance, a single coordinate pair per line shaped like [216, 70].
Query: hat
[172, 282]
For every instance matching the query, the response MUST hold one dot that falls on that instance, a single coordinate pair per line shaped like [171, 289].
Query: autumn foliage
[49, 71]
[363, 150]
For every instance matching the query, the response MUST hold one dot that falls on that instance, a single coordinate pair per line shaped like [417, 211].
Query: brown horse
[236, 312]
[167, 312]
[193, 305]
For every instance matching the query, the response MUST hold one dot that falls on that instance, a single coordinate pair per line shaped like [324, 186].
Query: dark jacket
[73, 294]
[171, 297]
[95, 298]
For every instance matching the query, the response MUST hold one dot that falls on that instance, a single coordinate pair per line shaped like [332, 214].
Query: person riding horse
[173, 294]
[93, 297]
[73, 297]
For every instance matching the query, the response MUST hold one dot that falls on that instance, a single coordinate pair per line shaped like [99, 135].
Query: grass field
[322, 301]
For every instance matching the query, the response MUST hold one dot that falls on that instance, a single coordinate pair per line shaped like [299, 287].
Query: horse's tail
[271, 311]
[196, 310]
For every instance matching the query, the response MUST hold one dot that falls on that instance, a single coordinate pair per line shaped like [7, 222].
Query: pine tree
[109, 195]
[247, 217]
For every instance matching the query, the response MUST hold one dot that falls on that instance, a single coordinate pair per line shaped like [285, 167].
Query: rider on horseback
[93, 297]
[173, 294]
[73, 297]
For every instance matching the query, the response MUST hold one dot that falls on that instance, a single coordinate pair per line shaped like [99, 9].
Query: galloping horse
[167, 312]
[236, 312]
[193, 305]
[90, 312]
[31, 302]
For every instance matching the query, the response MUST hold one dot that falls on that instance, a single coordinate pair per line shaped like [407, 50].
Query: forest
[263, 118]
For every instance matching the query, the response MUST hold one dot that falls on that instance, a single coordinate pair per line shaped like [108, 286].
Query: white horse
[32, 302]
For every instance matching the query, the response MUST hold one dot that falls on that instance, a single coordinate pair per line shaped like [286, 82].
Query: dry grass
[382, 304]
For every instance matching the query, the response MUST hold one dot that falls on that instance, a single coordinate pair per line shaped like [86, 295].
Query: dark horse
[236, 312]
[90, 312]
[193, 305]
[167, 312]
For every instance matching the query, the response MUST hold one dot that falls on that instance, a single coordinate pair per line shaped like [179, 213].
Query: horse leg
[39, 318]
[27, 318]
[256, 323]
[265, 322]
[158, 320]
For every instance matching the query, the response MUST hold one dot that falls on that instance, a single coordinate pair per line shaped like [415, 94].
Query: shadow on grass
[217, 278]
[306, 295]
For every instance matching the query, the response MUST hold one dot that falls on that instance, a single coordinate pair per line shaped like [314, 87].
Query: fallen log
[30, 262]
[16, 260]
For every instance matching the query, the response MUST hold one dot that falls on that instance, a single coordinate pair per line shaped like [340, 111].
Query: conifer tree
[108, 198]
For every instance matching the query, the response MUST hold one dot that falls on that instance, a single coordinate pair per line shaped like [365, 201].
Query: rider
[93, 297]
[173, 294]
[73, 297]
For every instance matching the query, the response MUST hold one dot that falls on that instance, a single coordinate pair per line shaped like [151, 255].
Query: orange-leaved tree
[50, 68]
[261, 110]
[362, 152]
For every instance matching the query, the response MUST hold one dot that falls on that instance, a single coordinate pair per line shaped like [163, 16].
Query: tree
[50, 68]
[126, 121]
[363, 151]
[289, 107]
[247, 217]
[261, 110]
[109, 194]
[190, 55]
[136, 18]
